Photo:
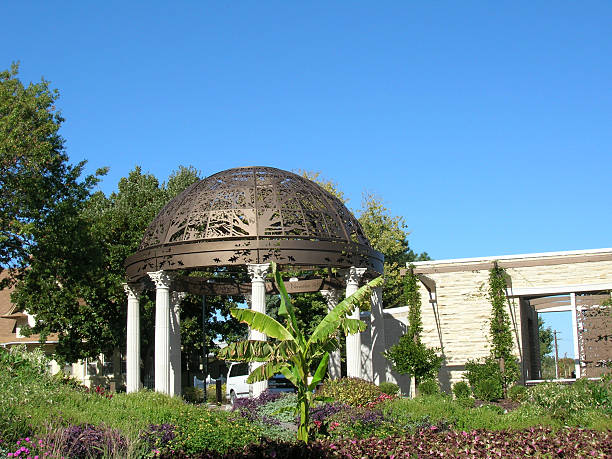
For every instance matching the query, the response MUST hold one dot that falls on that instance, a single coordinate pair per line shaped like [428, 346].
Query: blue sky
[487, 125]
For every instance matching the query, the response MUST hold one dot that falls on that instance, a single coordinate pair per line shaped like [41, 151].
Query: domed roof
[253, 215]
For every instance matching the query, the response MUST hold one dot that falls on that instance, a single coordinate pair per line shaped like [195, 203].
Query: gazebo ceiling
[253, 215]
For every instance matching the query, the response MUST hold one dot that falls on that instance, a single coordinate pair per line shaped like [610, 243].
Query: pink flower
[10, 454]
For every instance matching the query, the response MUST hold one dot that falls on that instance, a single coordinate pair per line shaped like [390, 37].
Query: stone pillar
[377, 330]
[332, 297]
[162, 281]
[132, 354]
[353, 342]
[175, 379]
[258, 303]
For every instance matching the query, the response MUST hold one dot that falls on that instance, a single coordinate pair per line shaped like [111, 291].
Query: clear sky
[487, 125]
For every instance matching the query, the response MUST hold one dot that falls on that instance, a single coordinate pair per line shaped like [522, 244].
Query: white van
[236, 385]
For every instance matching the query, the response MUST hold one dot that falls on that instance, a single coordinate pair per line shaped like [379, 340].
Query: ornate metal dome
[253, 215]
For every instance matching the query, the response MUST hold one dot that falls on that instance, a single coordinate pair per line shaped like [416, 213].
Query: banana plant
[290, 352]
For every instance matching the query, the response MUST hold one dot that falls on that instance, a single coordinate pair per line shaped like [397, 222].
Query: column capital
[332, 296]
[161, 279]
[258, 271]
[353, 275]
[133, 289]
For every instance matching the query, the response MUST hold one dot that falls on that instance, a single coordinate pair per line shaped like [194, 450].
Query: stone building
[456, 311]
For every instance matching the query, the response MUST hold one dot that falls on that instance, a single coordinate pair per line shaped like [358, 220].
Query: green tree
[39, 188]
[289, 351]
[546, 337]
[88, 309]
[386, 232]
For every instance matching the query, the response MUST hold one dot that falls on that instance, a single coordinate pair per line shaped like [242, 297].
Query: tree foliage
[39, 189]
[386, 232]
[546, 338]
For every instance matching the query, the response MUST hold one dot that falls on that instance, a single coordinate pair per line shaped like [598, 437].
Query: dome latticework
[253, 215]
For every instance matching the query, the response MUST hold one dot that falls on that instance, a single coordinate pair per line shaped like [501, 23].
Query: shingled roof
[8, 318]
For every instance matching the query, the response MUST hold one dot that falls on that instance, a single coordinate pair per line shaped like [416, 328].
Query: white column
[332, 296]
[175, 342]
[353, 342]
[575, 334]
[132, 354]
[258, 303]
[377, 329]
[162, 281]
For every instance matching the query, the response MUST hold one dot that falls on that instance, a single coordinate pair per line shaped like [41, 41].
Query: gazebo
[247, 216]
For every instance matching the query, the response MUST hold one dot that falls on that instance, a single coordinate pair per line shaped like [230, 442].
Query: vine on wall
[500, 331]
[409, 355]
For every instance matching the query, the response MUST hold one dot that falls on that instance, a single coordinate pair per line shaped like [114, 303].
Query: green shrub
[601, 392]
[485, 377]
[352, 391]
[517, 393]
[193, 394]
[462, 390]
[564, 403]
[282, 409]
[211, 393]
[429, 387]
[489, 389]
[388, 388]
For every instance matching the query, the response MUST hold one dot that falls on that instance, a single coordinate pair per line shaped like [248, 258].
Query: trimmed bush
[429, 387]
[193, 394]
[485, 378]
[389, 388]
[352, 391]
[462, 390]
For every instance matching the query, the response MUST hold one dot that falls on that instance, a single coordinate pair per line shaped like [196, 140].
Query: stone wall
[456, 316]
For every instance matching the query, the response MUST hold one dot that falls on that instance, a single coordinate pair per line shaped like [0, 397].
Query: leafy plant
[461, 390]
[279, 409]
[429, 387]
[389, 388]
[194, 394]
[409, 355]
[517, 393]
[486, 379]
[500, 332]
[288, 351]
[352, 391]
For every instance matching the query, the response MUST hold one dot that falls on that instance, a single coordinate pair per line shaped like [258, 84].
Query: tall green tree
[546, 338]
[388, 234]
[39, 188]
[74, 284]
